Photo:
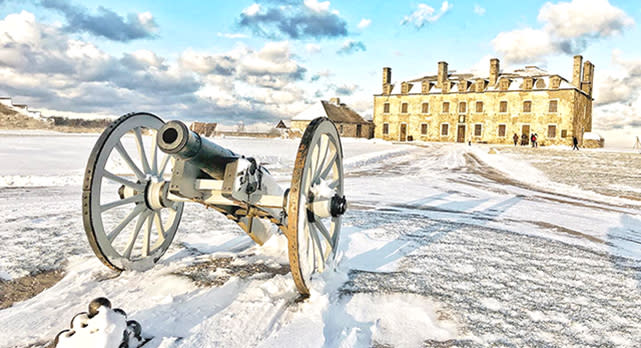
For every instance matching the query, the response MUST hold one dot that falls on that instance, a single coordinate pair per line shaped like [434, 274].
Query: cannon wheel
[312, 240]
[139, 172]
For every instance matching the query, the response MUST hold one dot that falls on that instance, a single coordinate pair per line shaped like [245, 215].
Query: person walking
[515, 138]
[575, 141]
[533, 140]
[536, 140]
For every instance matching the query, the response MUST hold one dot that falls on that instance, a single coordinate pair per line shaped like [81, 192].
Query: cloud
[426, 14]
[321, 74]
[232, 35]
[105, 23]
[346, 89]
[364, 23]
[479, 10]
[351, 46]
[567, 27]
[312, 48]
[618, 95]
[46, 68]
[310, 19]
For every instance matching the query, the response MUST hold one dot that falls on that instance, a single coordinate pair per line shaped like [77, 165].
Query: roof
[336, 112]
[516, 78]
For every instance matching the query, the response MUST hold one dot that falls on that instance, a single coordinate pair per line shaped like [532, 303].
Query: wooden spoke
[159, 226]
[137, 210]
[125, 156]
[132, 240]
[121, 180]
[322, 174]
[163, 165]
[146, 239]
[141, 150]
[133, 199]
[154, 153]
[323, 231]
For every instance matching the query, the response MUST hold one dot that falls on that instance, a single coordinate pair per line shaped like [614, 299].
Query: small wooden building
[348, 122]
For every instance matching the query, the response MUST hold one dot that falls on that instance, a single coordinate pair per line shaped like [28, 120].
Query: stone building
[462, 107]
[348, 122]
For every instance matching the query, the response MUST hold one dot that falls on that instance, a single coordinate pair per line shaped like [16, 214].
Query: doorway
[403, 133]
[358, 130]
[525, 129]
[460, 133]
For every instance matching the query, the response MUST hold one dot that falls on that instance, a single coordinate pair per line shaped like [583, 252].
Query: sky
[258, 62]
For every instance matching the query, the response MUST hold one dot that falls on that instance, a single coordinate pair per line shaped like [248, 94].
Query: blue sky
[261, 61]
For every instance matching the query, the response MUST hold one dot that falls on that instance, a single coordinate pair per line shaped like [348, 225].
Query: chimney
[576, 71]
[494, 71]
[335, 101]
[387, 77]
[588, 77]
[442, 74]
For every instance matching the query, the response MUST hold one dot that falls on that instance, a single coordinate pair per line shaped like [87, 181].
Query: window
[424, 128]
[503, 107]
[404, 108]
[552, 131]
[502, 131]
[554, 106]
[527, 106]
[478, 130]
[340, 129]
[462, 107]
[479, 106]
[425, 108]
[446, 107]
[445, 129]
[564, 133]
[385, 128]
[386, 108]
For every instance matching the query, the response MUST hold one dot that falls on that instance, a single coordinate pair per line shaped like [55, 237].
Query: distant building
[347, 121]
[204, 128]
[463, 107]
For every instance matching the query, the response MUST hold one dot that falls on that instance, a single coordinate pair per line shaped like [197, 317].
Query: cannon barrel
[176, 139]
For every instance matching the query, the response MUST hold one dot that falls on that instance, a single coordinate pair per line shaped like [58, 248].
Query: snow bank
[592, 136]
[400, 320]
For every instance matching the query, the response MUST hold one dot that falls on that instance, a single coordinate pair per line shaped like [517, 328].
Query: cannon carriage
[142, 170]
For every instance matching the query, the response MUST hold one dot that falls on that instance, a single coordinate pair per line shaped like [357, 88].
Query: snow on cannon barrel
[142, 170]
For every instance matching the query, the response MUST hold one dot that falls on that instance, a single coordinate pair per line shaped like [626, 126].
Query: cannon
[142, 170]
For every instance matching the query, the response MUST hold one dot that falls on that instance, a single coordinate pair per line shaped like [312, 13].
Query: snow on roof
[314, 111]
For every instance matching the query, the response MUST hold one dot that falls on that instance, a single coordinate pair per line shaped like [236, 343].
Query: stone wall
[344, 129]
[572, 117]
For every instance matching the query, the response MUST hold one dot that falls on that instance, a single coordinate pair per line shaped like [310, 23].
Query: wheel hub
[155, 193]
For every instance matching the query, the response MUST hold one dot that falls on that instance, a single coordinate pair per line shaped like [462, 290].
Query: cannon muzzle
[176, 139]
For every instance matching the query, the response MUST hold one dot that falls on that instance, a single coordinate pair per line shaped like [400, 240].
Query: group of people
[535, 143]
[533, 139]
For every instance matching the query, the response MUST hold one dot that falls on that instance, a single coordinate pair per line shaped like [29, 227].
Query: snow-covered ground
[443, 245]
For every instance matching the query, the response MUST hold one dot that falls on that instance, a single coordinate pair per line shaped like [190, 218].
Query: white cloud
[523, 44]
[618, 95]
[479, 10]
[232, 35]
[426, 14]
[317, 6]
[577, 18]
[567, 27]
[252, 10]
[312, 48]
[364, 23]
